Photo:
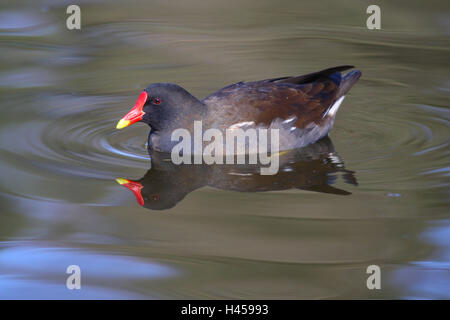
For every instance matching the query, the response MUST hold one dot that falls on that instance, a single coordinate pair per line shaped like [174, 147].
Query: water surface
[223, 233]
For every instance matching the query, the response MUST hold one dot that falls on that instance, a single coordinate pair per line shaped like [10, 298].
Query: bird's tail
[348, 80]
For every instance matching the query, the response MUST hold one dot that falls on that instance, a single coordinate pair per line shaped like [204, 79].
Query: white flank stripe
[335, 107]
[289, 120]
[241, 124]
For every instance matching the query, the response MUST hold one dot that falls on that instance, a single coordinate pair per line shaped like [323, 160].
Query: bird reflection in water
[311, 168]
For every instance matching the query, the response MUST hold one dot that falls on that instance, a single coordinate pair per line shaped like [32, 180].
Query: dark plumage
[303, 108]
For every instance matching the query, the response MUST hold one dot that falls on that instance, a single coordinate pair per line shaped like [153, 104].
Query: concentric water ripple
[82, 136]
[78, 138]
[63, 91]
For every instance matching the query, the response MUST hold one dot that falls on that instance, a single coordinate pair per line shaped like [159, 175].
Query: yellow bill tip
[122, 124]
[279, 154]
[122, 181]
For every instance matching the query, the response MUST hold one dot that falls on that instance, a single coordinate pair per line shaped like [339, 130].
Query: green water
[63, 91]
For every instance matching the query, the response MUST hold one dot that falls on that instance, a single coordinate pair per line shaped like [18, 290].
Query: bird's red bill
[135, 114]
[134, 186]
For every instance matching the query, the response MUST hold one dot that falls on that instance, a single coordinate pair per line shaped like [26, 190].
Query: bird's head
[162, 106]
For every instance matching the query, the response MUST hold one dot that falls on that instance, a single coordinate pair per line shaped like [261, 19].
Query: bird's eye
[156, 100]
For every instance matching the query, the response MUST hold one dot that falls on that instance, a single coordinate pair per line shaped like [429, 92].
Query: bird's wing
[306, 97]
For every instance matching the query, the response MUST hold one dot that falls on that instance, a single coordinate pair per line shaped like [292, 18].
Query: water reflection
[63, 91]
[313, 168]
[21, 262]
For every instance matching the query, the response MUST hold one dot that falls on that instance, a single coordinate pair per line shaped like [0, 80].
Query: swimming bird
[303, 108]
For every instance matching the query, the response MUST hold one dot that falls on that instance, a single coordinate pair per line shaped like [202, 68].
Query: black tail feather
[311, 77]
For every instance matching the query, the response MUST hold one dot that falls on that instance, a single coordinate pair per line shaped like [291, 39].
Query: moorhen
[303, 108]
